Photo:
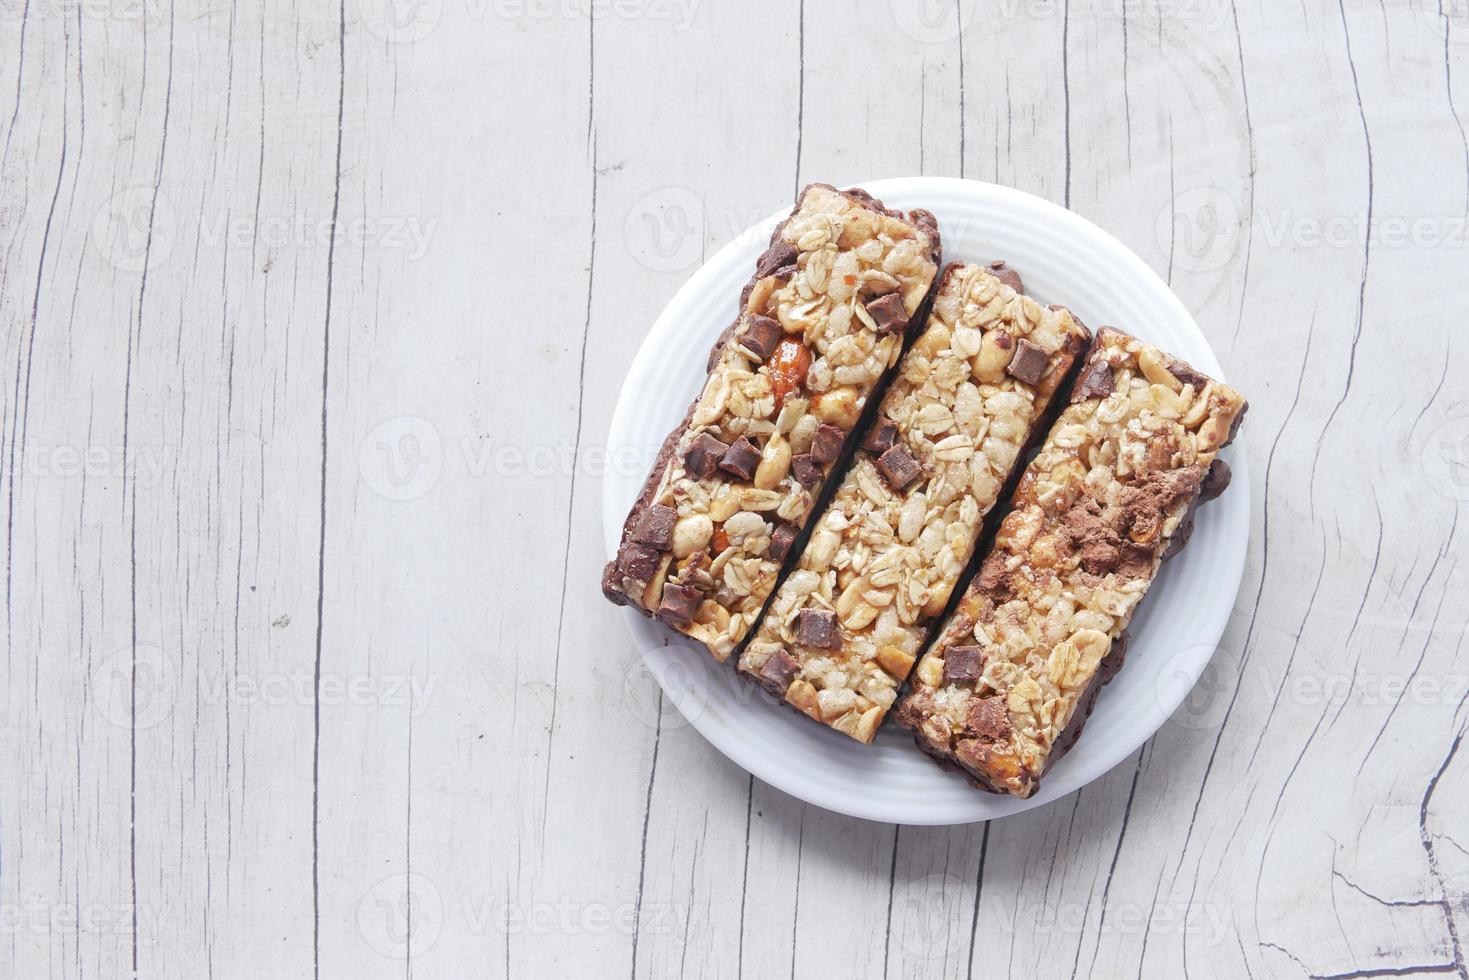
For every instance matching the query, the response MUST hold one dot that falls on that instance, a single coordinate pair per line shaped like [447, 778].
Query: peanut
[775, 463]
[1214, 432]
[691, 534]
[837, 407]
[802, 433]
[803, 696]
[931, 671]
[867, 726]
[895, 661]
[990, 363]
[1199, 408]
[725, 504]
[712, 612]
[933, 341]
[938, 599]
[1156, 371]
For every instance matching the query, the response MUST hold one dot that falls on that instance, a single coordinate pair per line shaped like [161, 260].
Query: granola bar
[845, 628]
[821, 326]
[1111, 492]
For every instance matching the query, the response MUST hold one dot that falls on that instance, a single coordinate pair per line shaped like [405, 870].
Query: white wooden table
[306, 672]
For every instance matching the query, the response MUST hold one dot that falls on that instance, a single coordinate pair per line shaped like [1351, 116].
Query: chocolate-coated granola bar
[1109, 496]
[821, 326]
[845, 627]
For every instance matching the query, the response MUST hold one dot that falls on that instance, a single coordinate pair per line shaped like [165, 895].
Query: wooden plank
[446, 550]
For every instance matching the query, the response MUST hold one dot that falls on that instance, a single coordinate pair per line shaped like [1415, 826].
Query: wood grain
[314, 316]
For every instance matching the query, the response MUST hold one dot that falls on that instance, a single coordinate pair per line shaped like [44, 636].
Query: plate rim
[1108, 755]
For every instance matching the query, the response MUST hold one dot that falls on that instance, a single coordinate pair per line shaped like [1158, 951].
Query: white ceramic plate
[1063, 259]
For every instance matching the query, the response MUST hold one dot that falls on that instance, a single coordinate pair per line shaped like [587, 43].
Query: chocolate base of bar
[923, 219]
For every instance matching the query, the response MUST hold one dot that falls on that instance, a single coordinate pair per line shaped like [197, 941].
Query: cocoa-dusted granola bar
[844, 629]
[1109, 496]
[821, 325]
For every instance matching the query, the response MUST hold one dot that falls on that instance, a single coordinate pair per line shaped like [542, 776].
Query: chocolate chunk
[1137, 560]
[888, 313]
[1095, 534]
[1100, 556]
[704, 455]
[1216, 481]
[655, 527]
[778, 672]
[1030, 362]
[881, 437]
[761, 336]
[818, 628]
[1187, 375]
[1096, 382]
[741, 458]
[806, 470]
[679, 604]
[898, 467]
[981, 759]
[1007, 275]
[988, 719]
[781, 540]
[826, 444]
[775, 258]
[963, 664]
[1146, 504]
[994, 580]
[638, 562]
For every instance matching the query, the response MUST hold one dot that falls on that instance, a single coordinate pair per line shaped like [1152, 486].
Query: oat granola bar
[845, 627]
[1109, 496]
[821, 326]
